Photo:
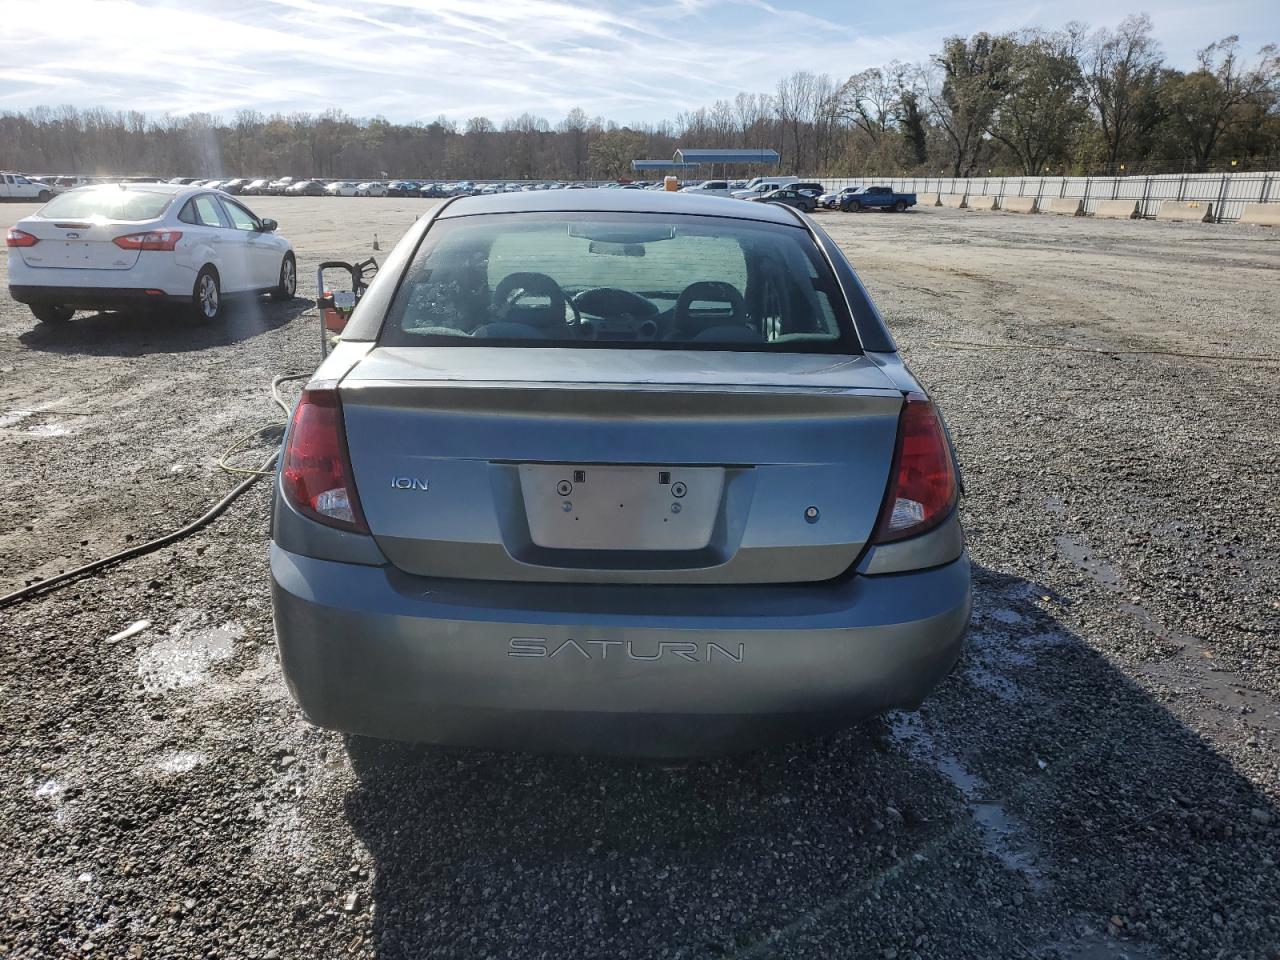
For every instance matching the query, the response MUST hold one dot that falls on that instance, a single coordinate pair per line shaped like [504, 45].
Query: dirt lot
[1100, 777]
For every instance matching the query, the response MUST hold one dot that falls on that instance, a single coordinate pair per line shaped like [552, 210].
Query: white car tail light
[19, 238]
[152, 240]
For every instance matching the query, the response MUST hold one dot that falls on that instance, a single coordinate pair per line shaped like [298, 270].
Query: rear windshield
[108, 203]
[619, 280]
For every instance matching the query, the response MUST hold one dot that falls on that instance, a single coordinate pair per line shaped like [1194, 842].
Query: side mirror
[269, 226]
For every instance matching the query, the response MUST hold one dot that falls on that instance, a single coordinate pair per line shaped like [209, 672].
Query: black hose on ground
[152, 545]
[203, 520]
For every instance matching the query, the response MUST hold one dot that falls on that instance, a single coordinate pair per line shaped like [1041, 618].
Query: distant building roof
[727, 156]
[661, 165]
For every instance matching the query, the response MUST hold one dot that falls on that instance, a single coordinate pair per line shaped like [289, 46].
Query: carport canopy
[642, 165]
[768, 157]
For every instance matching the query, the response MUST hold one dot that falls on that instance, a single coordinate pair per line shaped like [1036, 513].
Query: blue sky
[417, 59]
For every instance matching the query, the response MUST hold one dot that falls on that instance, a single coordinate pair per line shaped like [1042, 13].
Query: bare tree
[574, 133]
[807, 106]
[1122, 73]
[793, 103]
[869, 100]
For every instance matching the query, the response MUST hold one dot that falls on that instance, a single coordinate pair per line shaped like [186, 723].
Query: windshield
[106, 203]
[606, 280]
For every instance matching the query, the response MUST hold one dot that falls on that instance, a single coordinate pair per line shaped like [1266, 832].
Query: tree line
[1068, 101]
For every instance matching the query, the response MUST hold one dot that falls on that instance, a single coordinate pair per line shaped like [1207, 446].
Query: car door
[229, 253]
[262, 256]
[203, 237]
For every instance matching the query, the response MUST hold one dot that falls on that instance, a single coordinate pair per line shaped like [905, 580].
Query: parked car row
[854, 199]
[807, 195]
[320, 187]
[789, 190]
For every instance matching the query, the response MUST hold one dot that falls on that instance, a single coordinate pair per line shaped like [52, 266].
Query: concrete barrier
[1018, 205]
[1261, 214]
[983, 201]
[953, 200]
[1117, 209]
[927, 200]
[1066, 206]
[1187, 211]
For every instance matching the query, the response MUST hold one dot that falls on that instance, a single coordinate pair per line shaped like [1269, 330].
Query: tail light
[152, 240]
[19, 238]
[317, 466]
[922, 484]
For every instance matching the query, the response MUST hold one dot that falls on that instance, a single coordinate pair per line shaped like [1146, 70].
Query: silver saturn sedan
[615, 472]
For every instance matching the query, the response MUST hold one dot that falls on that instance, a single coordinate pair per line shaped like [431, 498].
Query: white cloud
[416, 60]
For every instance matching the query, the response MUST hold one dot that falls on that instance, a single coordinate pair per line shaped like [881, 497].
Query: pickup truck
[14, 186]
[883, 197]
[709, 188]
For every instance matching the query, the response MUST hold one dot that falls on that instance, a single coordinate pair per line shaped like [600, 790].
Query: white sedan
[371, 189]
[144, 245]
[341, 188]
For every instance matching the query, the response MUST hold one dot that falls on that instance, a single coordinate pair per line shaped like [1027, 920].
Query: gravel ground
[1100, 777]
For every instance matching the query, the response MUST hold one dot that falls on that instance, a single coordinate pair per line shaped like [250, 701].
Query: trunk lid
[78, 244]
[613, 465]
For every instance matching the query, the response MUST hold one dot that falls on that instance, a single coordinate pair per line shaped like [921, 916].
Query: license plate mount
[637, 508]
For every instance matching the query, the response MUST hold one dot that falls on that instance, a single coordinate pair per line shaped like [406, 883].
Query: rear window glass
[108, 203]
[618, 280]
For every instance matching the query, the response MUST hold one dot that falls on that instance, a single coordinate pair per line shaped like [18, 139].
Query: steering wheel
[613, 302]
[515, 287]
[619, 312]
[689, 323]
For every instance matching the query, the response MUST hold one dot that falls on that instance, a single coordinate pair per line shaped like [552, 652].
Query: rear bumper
[638, 670]
[92, 298]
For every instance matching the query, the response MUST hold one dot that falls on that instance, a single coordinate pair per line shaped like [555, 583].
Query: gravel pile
[1100, 777]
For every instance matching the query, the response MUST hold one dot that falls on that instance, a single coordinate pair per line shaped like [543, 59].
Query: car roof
[616, 201]
[144, 187]
[179, 191]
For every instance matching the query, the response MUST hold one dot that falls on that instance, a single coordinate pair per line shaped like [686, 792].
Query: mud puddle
[1194, 667]
[1004, 836]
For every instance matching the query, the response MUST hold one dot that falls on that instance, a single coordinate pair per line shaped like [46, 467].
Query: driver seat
[519, 322]
[701, 325]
